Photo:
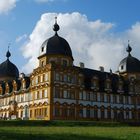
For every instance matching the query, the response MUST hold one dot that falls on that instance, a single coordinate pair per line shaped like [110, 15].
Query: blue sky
[22, 16]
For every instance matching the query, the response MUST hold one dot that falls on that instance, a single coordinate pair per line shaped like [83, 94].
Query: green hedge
[59, 123]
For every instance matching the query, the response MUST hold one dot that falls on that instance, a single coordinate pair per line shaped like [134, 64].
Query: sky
[97, 30]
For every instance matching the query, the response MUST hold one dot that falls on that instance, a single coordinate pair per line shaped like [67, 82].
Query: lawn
[69, 133]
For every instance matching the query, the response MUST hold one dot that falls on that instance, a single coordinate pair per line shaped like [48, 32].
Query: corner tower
[55, 50]
[129, 67]
[8, 70]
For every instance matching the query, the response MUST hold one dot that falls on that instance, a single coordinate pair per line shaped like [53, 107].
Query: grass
[63, 132]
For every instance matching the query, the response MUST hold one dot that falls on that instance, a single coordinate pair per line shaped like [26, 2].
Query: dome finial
[129, 49]
[8, 54]
[56, 26]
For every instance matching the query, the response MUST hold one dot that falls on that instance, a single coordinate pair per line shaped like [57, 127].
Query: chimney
[101, 68]
[82, 65]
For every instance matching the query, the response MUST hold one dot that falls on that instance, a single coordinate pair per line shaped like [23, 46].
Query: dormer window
[14, 86]
[65, 63]
[42, 49]
[108, 85]
[122, 67]
[23, 85]
[94, 82]
[7, 88]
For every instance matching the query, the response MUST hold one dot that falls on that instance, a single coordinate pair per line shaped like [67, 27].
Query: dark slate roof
[18, 82]
[57, 45]
[129, 64]
[8, 69]
[27, 79]
[102, 76]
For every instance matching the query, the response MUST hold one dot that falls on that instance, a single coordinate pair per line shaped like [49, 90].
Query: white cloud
[92, 42]
[7, 5]
[44, 1]
[22, 37]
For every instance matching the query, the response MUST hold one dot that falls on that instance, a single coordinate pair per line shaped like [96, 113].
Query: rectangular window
[88, 113]
[91, 96]
[32, 81]
[81, 113]
[120, 86]
[108, 85]
[73, 80]
[57, 77]
[102, 97]
[35, 95]
[109, 114]
[80, 95]
[45, 93]
[57, 92]
[43, 78]
[57, 112]
[94, 97]
[114, 99]
[95, 114]
[38, 79]
[72, 112]
[38, 95]
[42, 93]
[121, 99]
[65, 112]
[126, 100]
[69, 78]
[65, 94]
[65, 78]
[84, 95]
[22, 98]
[30, 96]
[88, 96]
[108, 98]
[102, 114]
[72, 94]
[46, 77]
[94, 83]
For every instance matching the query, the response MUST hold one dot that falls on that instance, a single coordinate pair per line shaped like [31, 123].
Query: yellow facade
[58, 90]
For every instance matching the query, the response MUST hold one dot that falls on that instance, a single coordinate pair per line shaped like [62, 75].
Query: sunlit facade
[58, 90]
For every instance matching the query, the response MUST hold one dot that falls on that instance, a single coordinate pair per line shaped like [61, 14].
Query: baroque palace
[58, 90]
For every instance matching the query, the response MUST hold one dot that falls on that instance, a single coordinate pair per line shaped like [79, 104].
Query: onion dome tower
[8, 71]
[55, 49]
[129, 64]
